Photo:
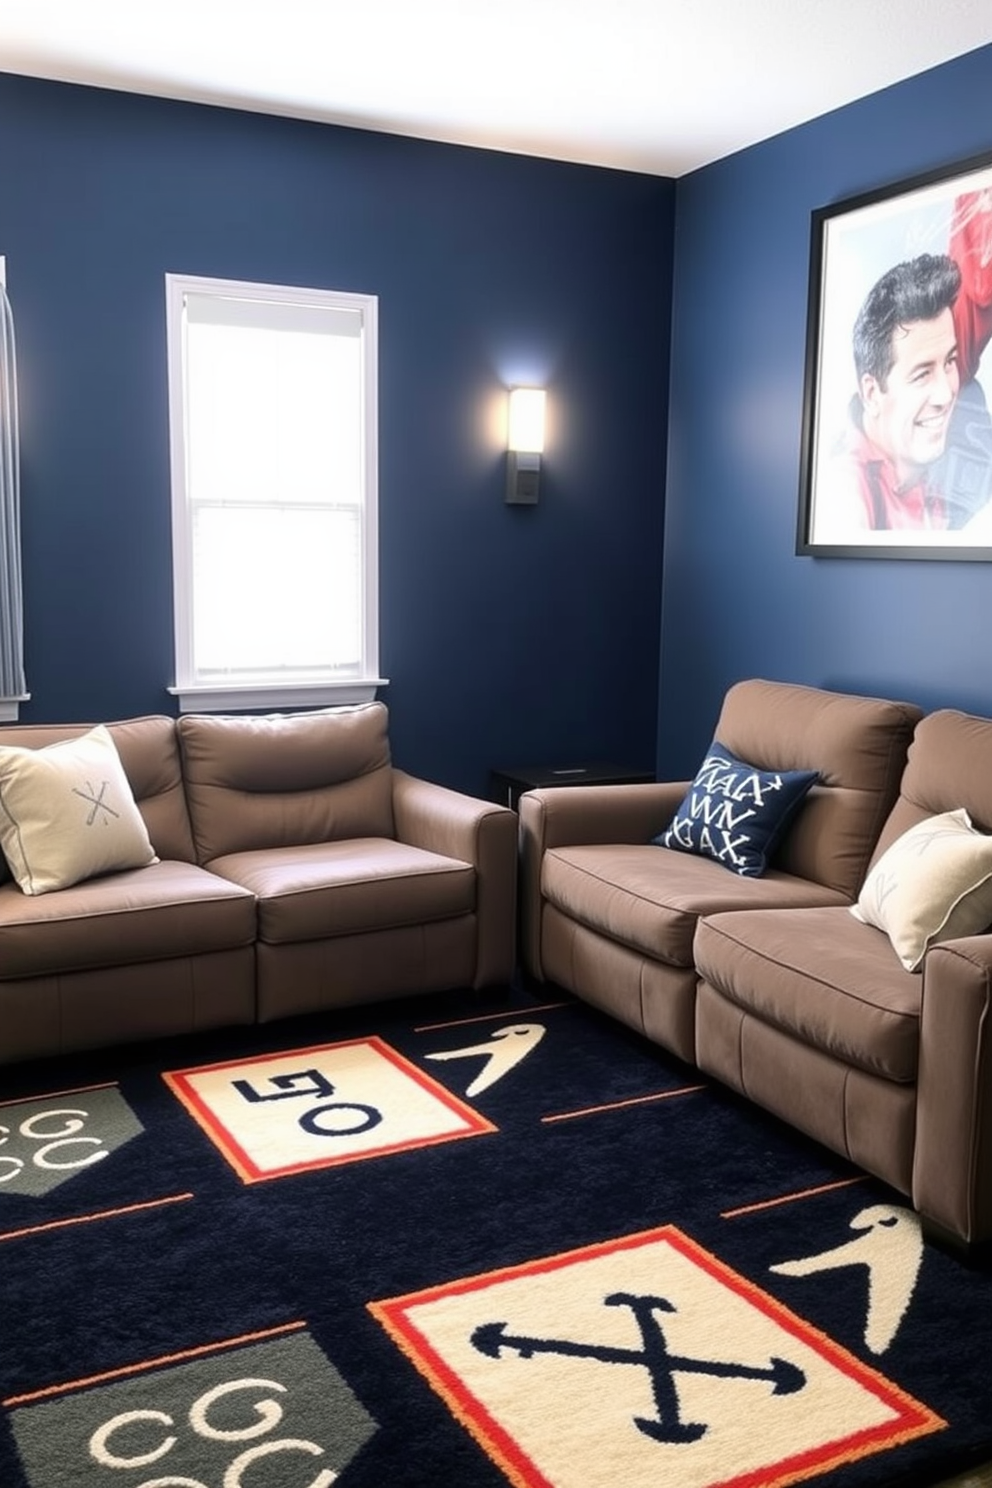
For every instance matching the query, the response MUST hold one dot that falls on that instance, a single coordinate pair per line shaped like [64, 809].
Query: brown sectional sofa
[811, 1013]
[612, 917]
[770, 984]
[298, 870]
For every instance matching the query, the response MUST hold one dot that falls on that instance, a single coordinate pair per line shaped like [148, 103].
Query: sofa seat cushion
[820, 976]
[144, 914]
[325, 889]
[649, 898]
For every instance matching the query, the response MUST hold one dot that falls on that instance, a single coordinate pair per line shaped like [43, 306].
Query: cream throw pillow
[934, 883]
[67, 813]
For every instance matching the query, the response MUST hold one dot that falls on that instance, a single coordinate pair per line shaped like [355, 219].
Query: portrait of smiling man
[914, 450]
[908, 377]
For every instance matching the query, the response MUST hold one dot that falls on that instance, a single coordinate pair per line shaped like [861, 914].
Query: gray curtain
[12, 680]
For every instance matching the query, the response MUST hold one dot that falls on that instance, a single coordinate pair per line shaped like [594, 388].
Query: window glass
[273, 423]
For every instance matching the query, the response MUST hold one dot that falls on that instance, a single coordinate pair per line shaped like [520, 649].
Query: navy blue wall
[736, 600]
[510, 635]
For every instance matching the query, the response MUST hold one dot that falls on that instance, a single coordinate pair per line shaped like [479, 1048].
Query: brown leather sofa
[770, 984]
[611, 917]
[298, 870]
[812, 1014]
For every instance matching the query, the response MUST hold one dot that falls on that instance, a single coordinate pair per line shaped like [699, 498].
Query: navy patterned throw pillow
[736, 813]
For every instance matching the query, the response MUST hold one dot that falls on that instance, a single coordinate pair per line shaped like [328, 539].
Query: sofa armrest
[952, 1165]
[482, 833]
[569, 815]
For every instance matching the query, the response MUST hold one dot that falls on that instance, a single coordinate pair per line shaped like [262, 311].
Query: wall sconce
[525, 445]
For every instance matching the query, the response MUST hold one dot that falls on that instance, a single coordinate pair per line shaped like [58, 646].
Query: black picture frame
[898, 463]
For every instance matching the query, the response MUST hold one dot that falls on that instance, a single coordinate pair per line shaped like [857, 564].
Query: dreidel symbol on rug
[889, 1244]
[785, 1378]
[505, 1049]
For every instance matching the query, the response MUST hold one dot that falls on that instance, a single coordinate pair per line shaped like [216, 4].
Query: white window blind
[273, 429]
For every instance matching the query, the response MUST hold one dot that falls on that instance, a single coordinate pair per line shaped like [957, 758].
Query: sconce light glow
[525, 445]
[527, 420]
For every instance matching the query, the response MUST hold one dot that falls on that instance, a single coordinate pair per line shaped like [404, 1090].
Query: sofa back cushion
[858, 747]
[949, 766]
[284, 780]
[149, 752]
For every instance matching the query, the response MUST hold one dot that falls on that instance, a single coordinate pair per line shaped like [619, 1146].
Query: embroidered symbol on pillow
[735, 812]
[97, 802]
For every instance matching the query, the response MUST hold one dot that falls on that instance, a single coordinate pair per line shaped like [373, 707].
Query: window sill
[10, 707]
[211, 699]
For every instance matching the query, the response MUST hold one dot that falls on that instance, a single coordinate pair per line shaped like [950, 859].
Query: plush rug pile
[462, 1241]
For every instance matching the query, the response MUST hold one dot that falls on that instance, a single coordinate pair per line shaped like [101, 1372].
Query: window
[272, 404]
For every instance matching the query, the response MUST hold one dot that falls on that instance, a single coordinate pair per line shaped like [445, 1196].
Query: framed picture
[897, 431]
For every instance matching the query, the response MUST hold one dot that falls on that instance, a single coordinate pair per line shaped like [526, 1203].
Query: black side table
[509, 785]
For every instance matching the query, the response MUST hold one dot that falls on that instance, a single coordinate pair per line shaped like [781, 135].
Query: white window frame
[196, 693]
[10, 707]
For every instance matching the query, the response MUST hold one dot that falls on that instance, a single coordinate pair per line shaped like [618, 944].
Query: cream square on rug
[278, 1114]
[641, 1361]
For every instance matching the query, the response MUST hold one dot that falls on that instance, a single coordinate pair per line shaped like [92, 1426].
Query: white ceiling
[660, 86]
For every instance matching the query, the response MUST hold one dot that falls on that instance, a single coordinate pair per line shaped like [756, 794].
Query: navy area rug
[463, 1241]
